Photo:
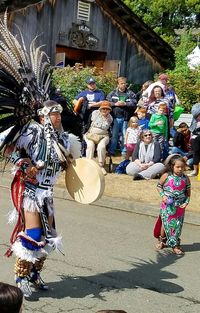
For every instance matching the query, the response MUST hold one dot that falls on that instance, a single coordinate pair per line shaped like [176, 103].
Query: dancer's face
[179, 168]
[55, 118]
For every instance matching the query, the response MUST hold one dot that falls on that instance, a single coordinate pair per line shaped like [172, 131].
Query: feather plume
[24, 80]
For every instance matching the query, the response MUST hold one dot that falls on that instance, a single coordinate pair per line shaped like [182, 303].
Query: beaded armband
[161, 193]
[15, 158]
[187, 200]
[18, 161]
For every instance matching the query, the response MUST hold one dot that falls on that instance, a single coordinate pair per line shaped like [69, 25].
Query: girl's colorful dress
[172, 215]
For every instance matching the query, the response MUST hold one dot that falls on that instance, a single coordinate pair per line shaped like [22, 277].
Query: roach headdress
[24, 82]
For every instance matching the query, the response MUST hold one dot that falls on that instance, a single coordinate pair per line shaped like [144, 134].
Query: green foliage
[185, 81]
[72, 81]
[164, 16]
[187, 87]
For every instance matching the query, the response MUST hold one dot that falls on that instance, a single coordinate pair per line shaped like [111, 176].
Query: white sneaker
[193, 173]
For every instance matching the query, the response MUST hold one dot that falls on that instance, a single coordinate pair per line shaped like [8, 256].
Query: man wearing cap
[123, 102]
[91, 98]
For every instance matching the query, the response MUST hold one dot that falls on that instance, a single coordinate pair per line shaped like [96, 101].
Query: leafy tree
[185, 81]
[164, 16]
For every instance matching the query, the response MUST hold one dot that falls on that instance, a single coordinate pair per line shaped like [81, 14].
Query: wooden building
[103, 33]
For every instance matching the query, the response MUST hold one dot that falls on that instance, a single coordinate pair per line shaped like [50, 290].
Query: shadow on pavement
[144, 274]
[191, 247]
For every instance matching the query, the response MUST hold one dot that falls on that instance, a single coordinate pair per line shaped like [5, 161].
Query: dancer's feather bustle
[24, 80]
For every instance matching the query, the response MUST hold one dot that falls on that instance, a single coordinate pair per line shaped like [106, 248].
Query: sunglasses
[105, 109]
[147, 135]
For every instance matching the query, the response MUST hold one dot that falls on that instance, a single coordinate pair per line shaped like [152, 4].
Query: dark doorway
[86, 57]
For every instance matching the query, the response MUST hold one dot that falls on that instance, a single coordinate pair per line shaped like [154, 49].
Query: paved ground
[110, 261]
[117, 203]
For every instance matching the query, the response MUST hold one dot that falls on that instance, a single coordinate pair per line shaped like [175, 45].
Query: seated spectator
[143, 121]
[146, 158]
[101, 121]
[123, 102]
[196, 147]
[132, 135]
[11, 299]
[158, 124]
[182, 143]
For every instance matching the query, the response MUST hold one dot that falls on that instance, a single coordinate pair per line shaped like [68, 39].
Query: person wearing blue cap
[90, 99]
[91, 81]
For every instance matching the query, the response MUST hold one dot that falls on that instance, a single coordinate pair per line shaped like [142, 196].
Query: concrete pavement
[109, 262]
[60, 192]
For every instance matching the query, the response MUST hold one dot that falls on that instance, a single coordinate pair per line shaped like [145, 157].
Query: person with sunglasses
[145, 158]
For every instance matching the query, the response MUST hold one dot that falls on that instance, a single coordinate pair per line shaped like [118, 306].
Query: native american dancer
[38, 159]
[40, 150]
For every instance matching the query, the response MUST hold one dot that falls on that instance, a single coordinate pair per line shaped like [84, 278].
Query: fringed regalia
[24, 92]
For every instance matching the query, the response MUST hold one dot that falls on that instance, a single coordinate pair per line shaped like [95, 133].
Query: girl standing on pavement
[175, 189]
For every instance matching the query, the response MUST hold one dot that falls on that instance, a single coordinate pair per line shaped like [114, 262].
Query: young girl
[174, 188]
[132, 135]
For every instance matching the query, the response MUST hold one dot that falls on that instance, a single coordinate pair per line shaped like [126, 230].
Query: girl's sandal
[178, 251]
[160, 245]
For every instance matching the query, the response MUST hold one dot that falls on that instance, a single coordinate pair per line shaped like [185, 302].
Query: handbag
[96, 138]
[121, 168]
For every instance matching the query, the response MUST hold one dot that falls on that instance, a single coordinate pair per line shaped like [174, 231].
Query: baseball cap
[91, 81]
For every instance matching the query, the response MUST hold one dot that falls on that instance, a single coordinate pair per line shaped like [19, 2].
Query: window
[83, 11]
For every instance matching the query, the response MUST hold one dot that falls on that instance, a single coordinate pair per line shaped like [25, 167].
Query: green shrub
[71, 80]
[187, 87]
[185, 81]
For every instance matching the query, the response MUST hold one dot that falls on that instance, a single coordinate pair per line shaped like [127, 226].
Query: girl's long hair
[170, 166]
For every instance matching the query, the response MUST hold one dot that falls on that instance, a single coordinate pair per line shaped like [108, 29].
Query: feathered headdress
[24, 81]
